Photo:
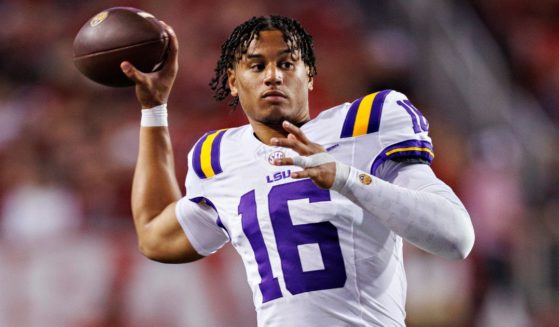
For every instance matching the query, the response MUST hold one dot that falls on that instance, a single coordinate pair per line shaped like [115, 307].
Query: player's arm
[155, 189]
[412, 202]
[155, 192]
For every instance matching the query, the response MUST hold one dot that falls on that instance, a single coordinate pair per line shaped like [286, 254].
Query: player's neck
[266, 131]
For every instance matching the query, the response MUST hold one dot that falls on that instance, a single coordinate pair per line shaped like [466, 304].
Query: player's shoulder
[326, 127]
[371, 113]
[399, 118]
[362, 116]
[206, 156]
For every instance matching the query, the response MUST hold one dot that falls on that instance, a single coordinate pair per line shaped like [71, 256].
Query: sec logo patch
[275, 155]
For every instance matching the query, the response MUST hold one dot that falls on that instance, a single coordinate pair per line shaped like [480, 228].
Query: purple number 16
[289, 237]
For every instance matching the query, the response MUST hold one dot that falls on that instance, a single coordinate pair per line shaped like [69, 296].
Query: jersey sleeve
[196, 214]
[194, 184]
[199, 221]
[403, 132]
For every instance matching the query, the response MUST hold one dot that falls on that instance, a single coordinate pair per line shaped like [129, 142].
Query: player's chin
[277, 114]
[273, 121]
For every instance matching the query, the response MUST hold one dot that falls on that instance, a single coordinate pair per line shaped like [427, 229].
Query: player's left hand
[320, 168]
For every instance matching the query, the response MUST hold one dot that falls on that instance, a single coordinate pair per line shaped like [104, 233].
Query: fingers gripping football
[153, 89]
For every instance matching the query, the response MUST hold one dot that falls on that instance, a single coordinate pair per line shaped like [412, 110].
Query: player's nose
[273, 76]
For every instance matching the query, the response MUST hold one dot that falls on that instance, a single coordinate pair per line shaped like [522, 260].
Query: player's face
[272, 82]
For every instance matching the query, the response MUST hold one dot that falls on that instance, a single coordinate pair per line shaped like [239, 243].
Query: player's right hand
[153, 89]
[321, 169]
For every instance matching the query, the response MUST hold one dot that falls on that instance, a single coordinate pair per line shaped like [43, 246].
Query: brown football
[115, 35]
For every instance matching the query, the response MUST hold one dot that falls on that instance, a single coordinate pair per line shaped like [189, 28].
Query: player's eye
[257, 67]
[286, 65]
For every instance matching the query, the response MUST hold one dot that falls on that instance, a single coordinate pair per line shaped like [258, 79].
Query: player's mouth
[274, 96]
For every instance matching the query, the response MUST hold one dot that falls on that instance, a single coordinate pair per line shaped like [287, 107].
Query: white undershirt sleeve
[411, 201]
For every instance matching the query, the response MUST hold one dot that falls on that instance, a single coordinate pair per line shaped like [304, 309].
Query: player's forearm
[432, 218]
[155, 185]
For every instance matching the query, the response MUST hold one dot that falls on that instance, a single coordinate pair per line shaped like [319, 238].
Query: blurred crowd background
[484, 72]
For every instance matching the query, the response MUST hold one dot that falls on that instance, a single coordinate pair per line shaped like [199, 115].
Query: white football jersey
[312, 257]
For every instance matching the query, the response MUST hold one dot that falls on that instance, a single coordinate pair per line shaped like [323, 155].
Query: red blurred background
[485, 73]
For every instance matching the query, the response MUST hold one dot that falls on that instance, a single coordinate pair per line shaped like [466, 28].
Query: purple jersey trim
[374, 121]
[373, 125]
[214, 155]
[216, 146]
[196, 160]
[424, 150]
[347, 129]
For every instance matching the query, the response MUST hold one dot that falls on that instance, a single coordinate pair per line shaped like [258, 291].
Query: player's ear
[231, 80]
[311, 79]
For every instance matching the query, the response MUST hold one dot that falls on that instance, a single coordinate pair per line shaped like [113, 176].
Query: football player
[316, 208]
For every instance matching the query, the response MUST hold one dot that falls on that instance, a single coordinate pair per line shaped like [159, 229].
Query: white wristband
[348, 177]
[154, 117]
[342, 176]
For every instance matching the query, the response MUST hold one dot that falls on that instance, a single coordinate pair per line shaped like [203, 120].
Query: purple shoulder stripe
[206, 156]
[196, 156]
[376, 111]
[216, 147]
[349, 122]
[371, 112]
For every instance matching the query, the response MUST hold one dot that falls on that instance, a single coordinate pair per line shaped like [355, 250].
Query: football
[115, 35]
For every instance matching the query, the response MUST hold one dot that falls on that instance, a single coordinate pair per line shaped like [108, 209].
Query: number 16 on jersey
[288, 239]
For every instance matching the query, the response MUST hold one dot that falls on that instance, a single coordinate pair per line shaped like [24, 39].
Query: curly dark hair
[295, 36]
